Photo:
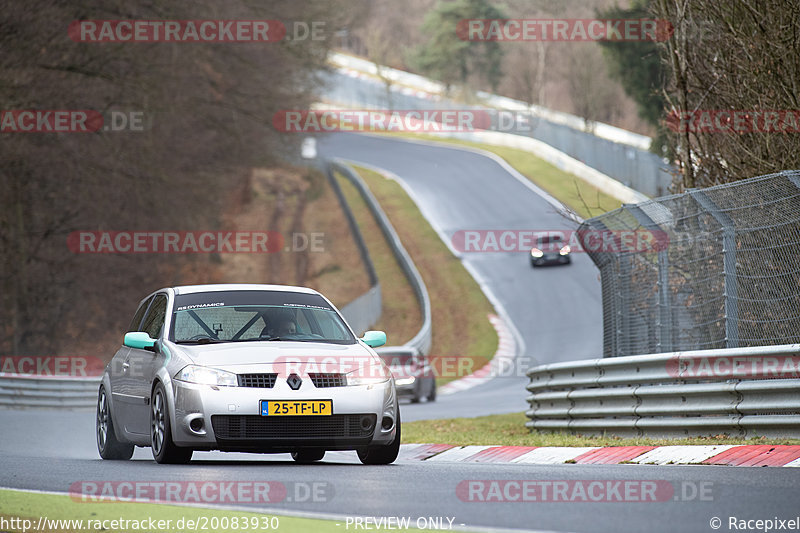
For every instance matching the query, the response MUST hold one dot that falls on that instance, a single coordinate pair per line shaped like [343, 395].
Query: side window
[137, 318]
[154, 320]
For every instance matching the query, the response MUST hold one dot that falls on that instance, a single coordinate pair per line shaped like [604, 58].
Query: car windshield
[550, 239]
[241, 316]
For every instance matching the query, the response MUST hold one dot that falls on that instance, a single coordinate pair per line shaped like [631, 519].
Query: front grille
[327, 380]
[261, 381]
[284, 428]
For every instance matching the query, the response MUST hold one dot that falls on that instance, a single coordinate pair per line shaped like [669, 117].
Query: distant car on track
[413, 376]
[253, 368]
[550, 250]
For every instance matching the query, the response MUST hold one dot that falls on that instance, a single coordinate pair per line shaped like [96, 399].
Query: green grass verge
[459, 309]
[32, 506]
[510, 430]
[21, 505]
[401, 317]
[583, 198]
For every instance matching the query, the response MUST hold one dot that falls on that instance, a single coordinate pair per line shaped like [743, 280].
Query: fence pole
[729, 265]
[664, 316]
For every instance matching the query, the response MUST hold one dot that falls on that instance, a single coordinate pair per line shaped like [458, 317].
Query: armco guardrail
[422, 340]
[742, 392]
[50, 392]
[365, 310]
[618, 154]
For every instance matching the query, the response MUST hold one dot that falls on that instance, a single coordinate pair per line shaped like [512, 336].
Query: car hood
[248, 356]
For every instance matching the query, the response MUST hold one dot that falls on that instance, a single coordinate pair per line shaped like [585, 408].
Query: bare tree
[594, 96]
[727, 57]
[207, 111]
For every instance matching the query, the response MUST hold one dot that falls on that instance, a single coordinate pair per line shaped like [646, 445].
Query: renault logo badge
[294, 381]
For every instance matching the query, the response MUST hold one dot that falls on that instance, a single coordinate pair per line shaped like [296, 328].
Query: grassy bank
[458, 306]
[510, 430]
[583, 198]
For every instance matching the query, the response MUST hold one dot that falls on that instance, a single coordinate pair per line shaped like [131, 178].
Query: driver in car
[286, 327]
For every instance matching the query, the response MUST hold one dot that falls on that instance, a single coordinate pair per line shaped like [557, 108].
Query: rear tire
[382, 454]
[163, 447]
[308, 456]
[107, 444]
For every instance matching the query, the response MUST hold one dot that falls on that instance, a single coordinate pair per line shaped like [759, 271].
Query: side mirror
[140, 340]
[373, 339]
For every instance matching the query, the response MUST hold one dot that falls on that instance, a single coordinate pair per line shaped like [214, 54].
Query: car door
[141, 368]
[120, 375]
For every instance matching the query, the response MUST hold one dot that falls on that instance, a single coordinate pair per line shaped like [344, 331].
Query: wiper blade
[199, 341]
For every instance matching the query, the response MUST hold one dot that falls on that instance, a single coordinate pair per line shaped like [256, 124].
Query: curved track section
[555, 310]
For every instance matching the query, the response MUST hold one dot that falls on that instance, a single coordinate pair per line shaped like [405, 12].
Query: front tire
[164, 449]
[382, 454]
[432, 395]
[308, 456]
[416, 396]
[107, 444]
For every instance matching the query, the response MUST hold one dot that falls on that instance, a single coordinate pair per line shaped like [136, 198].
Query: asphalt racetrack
[556, 312]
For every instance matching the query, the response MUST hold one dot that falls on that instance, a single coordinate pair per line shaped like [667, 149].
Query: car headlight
[370, 375]
[564, 250]
[405, 381]
[535, 252]
[203, 375]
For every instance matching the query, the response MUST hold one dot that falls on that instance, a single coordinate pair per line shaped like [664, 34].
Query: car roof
[190, 289]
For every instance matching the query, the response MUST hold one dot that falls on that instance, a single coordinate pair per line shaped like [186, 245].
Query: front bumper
[550, 259]
[228, 418]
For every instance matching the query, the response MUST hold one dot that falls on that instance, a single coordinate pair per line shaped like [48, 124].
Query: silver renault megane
[249, 368]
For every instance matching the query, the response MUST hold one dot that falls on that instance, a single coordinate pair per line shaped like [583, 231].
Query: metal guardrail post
[612, 305]
[729, 265]
[624, 306]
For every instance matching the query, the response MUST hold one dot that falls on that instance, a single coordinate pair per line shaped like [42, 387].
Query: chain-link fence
[729, 276]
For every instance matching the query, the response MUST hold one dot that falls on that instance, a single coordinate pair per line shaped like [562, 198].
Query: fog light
[387, 423]
[196, 425]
